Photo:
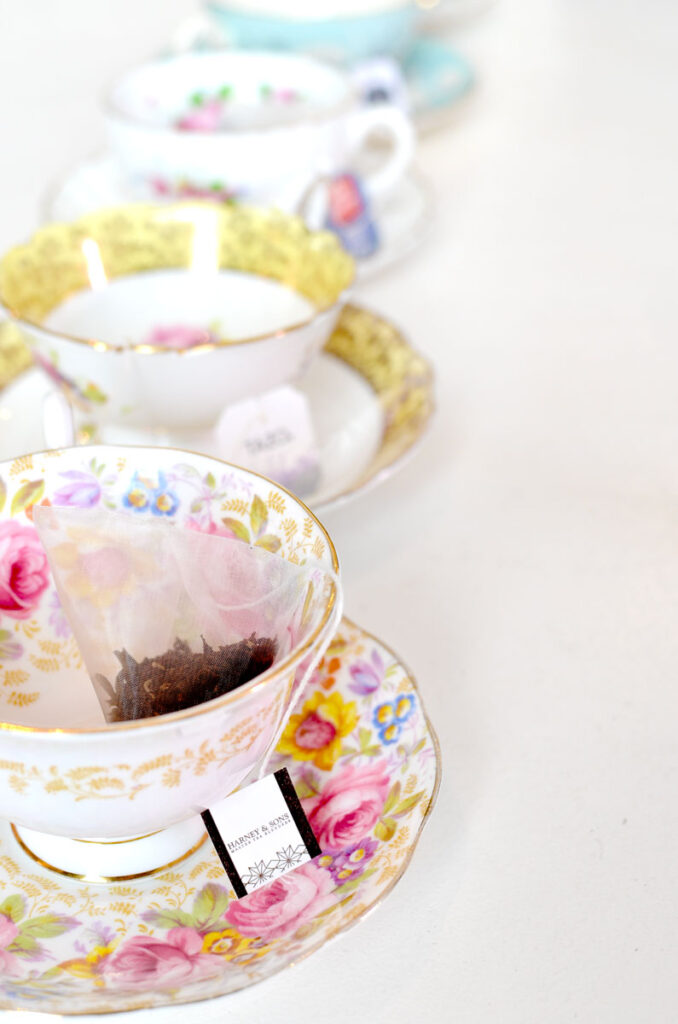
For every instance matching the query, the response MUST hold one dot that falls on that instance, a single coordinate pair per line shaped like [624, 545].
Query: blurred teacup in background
[260, 127]
[156, 317]
[344, 31]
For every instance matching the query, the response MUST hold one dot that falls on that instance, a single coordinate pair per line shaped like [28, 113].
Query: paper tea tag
[273, 434]
[348, 215]
[261, 832]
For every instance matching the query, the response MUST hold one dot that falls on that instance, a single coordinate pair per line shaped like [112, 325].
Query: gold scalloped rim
[134, 238]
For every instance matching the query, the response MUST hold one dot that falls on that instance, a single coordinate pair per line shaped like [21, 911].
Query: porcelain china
[360, 739]
[341, 32]
[438, 78]
[65, 771]
[261, 127]
[159, 316]
[402, 217]
[369, 393]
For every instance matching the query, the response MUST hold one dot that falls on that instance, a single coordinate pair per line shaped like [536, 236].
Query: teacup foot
[117, 860]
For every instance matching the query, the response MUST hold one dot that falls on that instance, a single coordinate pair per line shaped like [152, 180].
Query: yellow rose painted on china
[316, 732]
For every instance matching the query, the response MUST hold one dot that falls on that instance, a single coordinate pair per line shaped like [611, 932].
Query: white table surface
[526, 563]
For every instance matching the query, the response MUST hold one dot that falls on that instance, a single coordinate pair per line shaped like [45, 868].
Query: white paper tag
[272, 434]
[261, 832]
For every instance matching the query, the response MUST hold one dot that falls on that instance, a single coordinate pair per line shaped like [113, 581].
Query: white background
[526, 563]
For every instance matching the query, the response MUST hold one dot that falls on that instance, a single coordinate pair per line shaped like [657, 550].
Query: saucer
[360, 730]
[402, 217]
[369, 393]
[438, 78]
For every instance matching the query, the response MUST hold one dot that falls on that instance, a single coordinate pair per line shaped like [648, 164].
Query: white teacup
[255, 126]
[156, 317]
[65, 772]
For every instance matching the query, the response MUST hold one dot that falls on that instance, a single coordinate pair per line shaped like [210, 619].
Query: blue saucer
[437, 77]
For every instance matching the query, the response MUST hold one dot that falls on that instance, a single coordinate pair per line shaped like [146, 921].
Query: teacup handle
[394, 123]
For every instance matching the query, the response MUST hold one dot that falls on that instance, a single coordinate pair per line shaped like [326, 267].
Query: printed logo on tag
[273, 434]
[261, 832]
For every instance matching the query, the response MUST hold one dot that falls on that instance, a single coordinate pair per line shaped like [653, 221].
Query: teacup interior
[43, 682]
[176, 308]
[228, 91]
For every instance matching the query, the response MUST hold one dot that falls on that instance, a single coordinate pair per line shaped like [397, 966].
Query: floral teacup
[262, 127]
[71, 774]
[157, 317]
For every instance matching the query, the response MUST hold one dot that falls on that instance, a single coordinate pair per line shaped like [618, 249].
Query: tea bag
[168, 617]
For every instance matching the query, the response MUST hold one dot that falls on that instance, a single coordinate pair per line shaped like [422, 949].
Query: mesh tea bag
[167, 617]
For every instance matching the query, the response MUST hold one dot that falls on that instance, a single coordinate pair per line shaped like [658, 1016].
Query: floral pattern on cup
[34, 634]
[179, 336]
[181, 935]
[207, 111]
[24, 571]
[218, 191]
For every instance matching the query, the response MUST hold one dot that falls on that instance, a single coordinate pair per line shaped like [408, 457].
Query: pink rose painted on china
[179, 336]
[281, 907]
[145, 962]
[350, 806]
[24, 572]
[205, 117]
[218, 191]
[212, 528]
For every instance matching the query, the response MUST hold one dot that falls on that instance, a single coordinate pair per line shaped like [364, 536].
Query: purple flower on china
[351, 862]
[82, 490]
[367, 676]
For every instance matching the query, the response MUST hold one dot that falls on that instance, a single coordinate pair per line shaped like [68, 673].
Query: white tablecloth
[526, 563]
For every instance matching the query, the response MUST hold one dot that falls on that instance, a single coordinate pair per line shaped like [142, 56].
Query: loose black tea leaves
[181, 678]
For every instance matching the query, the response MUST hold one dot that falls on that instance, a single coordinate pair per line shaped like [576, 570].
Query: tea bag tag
[272, 434]
[349, 216]
[261, 832]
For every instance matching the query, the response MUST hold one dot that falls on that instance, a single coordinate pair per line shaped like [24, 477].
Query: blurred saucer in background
[370, 398]
[402, 217]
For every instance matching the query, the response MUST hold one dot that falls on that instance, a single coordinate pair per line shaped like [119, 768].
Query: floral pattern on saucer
[180, 935]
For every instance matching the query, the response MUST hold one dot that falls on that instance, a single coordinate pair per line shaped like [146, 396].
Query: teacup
[157, 317]
[254, 126]
[64, 771]
[346, 32]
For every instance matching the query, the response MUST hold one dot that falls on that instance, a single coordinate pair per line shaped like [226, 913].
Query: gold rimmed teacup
[64, 771]
[235, 300]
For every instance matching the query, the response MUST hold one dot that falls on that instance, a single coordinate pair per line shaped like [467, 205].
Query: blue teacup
[343, 38]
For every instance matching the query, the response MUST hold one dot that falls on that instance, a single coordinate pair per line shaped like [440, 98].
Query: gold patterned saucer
[360, 739]
[370, 397]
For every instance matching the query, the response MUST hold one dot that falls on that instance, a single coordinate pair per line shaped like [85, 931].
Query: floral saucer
[370, 399]
[359, 738]
[402, 217]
